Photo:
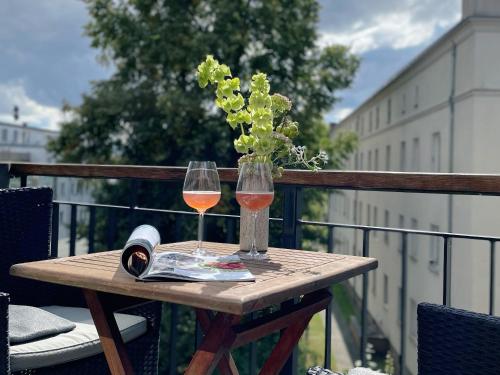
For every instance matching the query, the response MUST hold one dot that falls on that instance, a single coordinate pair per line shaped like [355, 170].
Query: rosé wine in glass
[254, 201]
[201, 200]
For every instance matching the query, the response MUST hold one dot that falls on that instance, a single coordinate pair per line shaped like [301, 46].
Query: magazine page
[189, 267]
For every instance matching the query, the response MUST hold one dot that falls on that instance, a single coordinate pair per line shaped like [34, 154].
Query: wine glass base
[203, 253]
[250, 256]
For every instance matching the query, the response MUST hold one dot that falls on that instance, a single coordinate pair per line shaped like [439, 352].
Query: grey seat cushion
[27, 323]
[81, 342]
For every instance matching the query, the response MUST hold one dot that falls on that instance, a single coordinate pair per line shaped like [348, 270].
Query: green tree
[151, 111]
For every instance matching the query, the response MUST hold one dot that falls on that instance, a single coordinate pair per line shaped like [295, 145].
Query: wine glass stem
[253, 250]
[200, 230]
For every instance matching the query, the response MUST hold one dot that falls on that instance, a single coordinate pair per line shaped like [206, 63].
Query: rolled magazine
[140, 260]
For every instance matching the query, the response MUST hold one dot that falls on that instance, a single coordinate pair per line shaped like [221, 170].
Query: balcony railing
[291, 185]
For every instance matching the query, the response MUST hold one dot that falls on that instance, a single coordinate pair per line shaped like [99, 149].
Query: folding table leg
[216, 344]
[289, 338]
[226, 365]
[109, 334]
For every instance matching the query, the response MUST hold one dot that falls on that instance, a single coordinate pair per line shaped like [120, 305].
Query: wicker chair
[458, 342]
[25, 223]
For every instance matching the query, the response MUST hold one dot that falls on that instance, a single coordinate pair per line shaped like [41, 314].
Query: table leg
[289, 338]
[109, 334]
[216, 344]
[226, 366]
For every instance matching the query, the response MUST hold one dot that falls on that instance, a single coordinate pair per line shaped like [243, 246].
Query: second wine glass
[255, 192]
[201, 191]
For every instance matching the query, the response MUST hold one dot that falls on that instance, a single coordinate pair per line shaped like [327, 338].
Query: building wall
[28, 144]
[414, 108]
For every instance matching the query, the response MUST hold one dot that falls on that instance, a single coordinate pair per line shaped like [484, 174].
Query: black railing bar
[492, 277]
[364, 301]
[400, 230]
[160, 210]
[446, 271]
[404, 292]
[72, 231]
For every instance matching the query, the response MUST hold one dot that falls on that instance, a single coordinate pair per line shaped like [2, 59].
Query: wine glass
[255, 192]
[201, 191]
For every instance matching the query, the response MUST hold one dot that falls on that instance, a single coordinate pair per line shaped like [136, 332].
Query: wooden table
[219, 306]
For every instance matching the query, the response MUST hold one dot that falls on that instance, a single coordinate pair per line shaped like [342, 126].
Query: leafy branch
[266, 130]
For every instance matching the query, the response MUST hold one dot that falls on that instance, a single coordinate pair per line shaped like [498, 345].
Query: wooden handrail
[439, 183]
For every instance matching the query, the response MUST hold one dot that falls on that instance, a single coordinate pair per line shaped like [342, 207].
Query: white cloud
[338, 114]
[30, 111]
[398, 29]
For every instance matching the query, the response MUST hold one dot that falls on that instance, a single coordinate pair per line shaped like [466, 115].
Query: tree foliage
[151, 111]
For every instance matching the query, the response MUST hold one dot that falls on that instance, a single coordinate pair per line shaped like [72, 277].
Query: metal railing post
[364, 301]
[492, 277]
[404, 291]
[91, 233]
[447, 271]
[292, 205]
[72, 231]
[4, 176]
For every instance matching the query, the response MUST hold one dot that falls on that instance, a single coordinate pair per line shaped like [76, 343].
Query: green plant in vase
[266, 134]
[266, 130]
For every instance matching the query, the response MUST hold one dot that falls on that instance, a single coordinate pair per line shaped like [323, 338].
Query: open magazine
[141, 261]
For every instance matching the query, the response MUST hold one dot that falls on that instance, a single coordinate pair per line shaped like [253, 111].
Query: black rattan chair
[458, 342]
[25, 227]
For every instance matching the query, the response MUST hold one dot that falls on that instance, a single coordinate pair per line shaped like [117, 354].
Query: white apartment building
[24, 143]
[440, 113]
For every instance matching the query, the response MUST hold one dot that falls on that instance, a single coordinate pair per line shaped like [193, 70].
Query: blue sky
[45, 59]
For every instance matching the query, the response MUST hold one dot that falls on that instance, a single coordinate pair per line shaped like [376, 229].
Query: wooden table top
[288, 274]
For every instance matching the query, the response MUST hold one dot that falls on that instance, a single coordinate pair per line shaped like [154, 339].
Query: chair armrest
[4, 334]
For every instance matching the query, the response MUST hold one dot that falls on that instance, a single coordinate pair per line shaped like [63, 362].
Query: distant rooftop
[26, 126]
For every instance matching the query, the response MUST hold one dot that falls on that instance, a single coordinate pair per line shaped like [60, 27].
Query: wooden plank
[439, 183]
[226, 364]
[288, 274]
[216, 343]
[111, 340]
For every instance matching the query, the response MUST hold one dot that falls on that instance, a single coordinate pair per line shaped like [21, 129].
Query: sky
[46, 60]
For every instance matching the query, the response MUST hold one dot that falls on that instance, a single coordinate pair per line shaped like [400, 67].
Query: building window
[375, 220]
[403, 103]
[402, 157]
[417, 97]
[374, 282]
[415, 155]
[362, 124]
[436, 152]
[368, 214]
[370, 160]
[413, 318]
[356, 161]
[354, 206]
[360, 213]
[388, 158]
[414, 240]
[401, 225]
[377, 117]
[4, 135]
[370, 121]
[23, 137]
[386, 224]
[386, 289]
[14, 137]
[357, 125]
[434, 250]
[375, 162]
[361, 161]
